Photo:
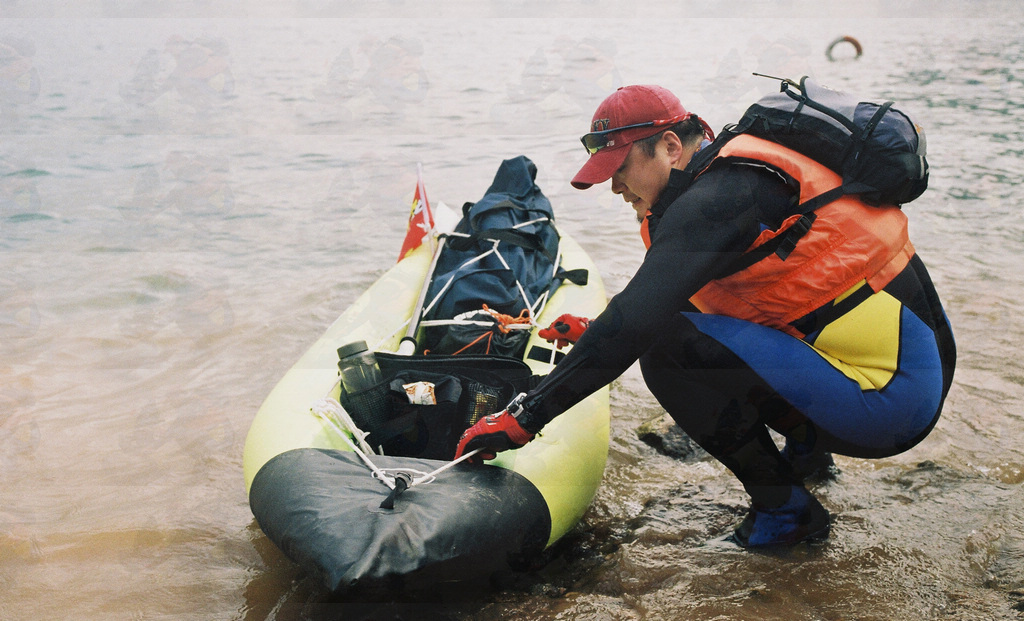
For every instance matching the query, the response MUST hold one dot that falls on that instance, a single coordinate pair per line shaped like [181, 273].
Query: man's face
[641, 178]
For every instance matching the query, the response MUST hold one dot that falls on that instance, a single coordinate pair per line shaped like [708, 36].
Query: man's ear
[674, 147]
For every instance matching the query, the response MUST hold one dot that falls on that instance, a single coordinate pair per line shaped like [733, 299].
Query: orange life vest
[848, 244]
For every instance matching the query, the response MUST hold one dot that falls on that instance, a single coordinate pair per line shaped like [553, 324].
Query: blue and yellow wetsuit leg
[870, 382]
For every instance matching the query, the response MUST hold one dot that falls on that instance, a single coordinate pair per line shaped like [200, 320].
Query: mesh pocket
[479, 401]
[370, 409]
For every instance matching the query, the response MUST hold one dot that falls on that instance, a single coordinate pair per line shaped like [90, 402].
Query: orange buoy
[845, 39]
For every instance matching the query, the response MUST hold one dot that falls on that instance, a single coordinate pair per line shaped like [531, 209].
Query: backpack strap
[784, 244]
[781, 245]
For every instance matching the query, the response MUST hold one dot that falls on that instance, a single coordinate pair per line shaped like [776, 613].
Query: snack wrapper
[420, 393]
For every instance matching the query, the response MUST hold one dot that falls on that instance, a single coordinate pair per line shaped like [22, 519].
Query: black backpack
[877, 150]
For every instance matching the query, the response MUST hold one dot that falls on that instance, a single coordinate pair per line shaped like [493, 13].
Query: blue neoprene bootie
[801, 518]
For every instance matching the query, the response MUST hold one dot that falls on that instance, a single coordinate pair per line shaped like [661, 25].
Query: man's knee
[680, 346]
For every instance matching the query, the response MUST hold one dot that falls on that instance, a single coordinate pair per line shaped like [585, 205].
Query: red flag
[421, 218]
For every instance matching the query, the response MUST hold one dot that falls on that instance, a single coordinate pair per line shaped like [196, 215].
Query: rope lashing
[398, 480]
[505, 322]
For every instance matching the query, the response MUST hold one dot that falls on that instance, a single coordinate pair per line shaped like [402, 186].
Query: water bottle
[359, 373]
[358, 366]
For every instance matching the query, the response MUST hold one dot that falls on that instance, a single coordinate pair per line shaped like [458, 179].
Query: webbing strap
[578, 276]
[817, 320]
[530, 241]
[784, 244]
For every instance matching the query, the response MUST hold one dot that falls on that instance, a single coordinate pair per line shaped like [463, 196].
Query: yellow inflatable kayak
[389, 509]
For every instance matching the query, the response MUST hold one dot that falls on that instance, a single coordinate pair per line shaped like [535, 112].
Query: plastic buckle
[515, 406]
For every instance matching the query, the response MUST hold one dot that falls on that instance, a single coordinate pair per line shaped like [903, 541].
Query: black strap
[578, 276]
[788, 241]
[506, 204]
[543, 354]
[817, 320]
[781, 245]
[530, 241]
[819, 201]
[804, 99]
[875, 120]
[402, 483]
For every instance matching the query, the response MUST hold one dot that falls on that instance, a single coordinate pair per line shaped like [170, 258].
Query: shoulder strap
[783, 245]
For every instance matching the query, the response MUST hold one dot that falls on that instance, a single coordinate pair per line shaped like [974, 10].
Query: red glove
[564, 330]
[494, 433]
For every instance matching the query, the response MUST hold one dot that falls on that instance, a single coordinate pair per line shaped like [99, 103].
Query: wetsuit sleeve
[708, 226]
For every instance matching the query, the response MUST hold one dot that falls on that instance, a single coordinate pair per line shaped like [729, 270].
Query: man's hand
[564, 330]
[494, 433]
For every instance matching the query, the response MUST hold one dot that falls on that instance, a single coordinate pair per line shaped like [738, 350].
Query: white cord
[326, 410]
[329, 410]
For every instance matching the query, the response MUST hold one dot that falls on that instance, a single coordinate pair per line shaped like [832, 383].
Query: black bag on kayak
[481, 332]
[463, 389]
[877, 150]
[503, 253]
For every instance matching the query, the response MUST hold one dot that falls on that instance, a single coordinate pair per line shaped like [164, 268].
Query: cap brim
[601, 166]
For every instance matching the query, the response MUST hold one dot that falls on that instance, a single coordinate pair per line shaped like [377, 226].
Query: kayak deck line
[331, 411]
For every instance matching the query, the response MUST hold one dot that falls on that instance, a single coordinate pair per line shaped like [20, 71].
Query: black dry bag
[503, 253]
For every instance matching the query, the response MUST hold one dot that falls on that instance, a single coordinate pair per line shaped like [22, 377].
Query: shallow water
[187, 202]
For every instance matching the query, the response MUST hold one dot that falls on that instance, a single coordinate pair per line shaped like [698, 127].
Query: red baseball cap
[651, 107]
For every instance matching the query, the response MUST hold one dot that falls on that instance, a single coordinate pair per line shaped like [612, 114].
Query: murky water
[187, 203]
